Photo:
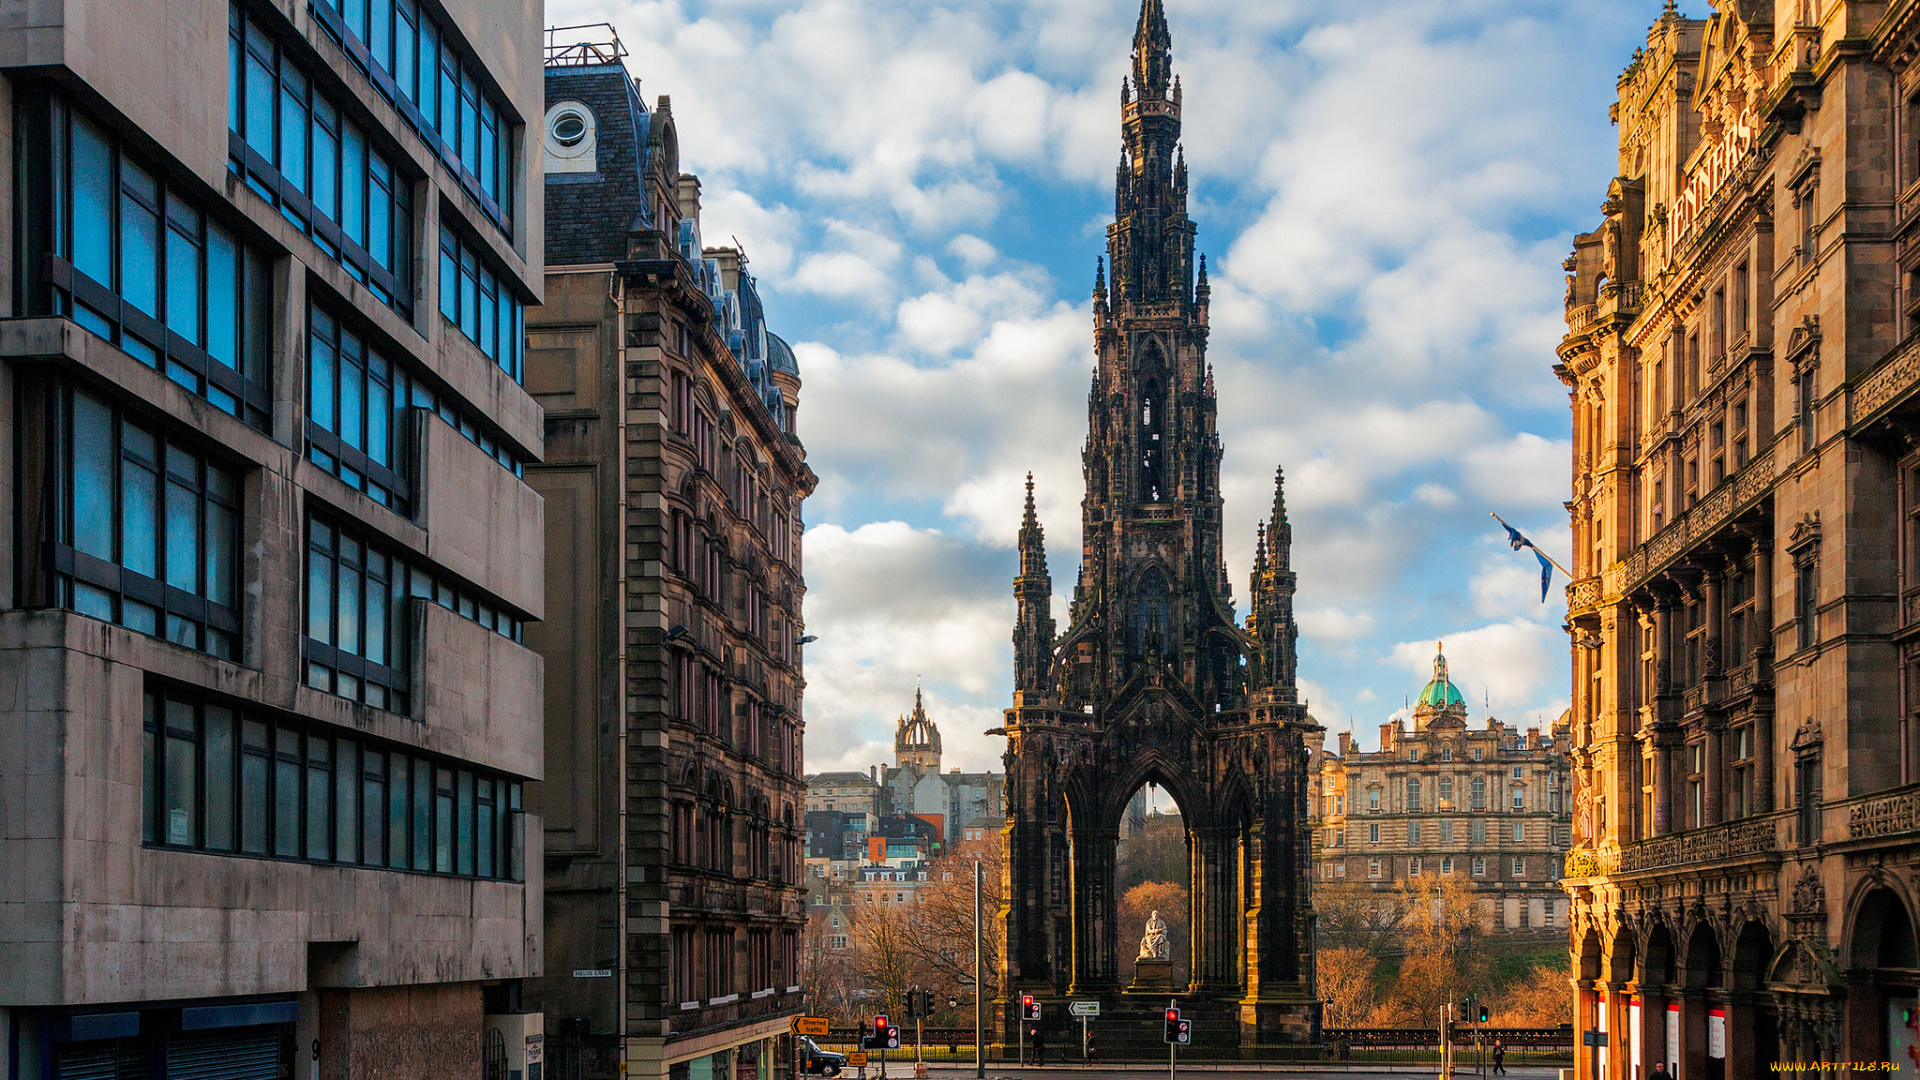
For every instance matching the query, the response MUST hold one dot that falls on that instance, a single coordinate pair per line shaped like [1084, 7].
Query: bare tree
[1443, 928]
[1346, 981]
[882, 957]
[941, 945]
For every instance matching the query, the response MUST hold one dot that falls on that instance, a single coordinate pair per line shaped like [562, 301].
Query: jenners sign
[1716, 164]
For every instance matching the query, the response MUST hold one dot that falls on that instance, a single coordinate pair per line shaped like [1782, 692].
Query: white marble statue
[1155, 946]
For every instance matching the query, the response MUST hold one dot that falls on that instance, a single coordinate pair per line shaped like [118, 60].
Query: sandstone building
[1155, 679]
[266, 713]
[674, 482]
[1492, 807]
[1741, 335]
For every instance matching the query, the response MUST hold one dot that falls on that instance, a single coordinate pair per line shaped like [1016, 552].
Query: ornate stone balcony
[1583, 597]
[1886, 814]
[1734, 840]
[1705, 518]
[1888, 383]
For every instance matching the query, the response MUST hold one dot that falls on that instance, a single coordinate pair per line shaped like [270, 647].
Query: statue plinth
[1152, 975]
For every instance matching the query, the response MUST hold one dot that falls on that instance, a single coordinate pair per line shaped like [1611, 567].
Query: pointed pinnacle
[1279, 495]
[1099, 275]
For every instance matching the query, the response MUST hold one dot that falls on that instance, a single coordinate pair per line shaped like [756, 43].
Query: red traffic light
[880, 1025]
[1173, 1014]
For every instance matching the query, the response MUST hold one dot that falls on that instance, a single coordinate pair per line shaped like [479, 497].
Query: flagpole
[1534, 546]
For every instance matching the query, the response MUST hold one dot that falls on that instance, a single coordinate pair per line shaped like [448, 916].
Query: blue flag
[1546, 565]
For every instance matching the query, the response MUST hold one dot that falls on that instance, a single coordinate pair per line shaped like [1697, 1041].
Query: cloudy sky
[1385, 189]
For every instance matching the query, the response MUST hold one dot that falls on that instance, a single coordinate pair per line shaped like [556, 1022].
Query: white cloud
[1519, 666]
[917, 183]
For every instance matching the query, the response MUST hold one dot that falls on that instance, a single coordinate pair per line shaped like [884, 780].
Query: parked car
[817, 1062]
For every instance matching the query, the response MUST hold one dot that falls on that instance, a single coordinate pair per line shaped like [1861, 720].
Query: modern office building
[265, 711]
[674, 481]
[1742, 327]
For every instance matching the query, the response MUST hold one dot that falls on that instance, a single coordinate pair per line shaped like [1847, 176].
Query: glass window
[473, 300]
[142, 264]
[146, 529]
[412, 61]
[322, 171]
[216, 780]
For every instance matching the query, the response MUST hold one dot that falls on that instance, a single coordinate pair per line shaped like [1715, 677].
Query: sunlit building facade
[1740, 349]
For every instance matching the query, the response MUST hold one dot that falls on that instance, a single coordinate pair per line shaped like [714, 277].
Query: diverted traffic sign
[857, 1059]
[810, 1025]
[1084, 1008]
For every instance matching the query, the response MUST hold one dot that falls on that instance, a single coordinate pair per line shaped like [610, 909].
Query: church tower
[1155, 679]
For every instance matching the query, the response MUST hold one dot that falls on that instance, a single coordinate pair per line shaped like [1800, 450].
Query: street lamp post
[979, 988]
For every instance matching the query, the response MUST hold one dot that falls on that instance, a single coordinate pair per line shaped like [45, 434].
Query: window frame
[241, 386]
[65, 570]
[316, 759]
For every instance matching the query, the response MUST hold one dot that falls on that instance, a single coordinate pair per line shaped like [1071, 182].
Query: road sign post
[1085, 1010]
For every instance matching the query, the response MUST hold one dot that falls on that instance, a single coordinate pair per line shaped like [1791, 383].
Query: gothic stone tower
[1155, 680]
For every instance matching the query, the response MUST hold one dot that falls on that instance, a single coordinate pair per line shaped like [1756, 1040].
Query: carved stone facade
[1155, 679]
[1492, 807]
[673, 487]
[1740, 351]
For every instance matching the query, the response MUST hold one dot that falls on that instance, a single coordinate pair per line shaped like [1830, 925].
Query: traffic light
[1175, 1027]
[892, 1041]
[1483, 1014]
[926, 1003]
[1183, 1032]
[877, 1037]
[1029, 1008]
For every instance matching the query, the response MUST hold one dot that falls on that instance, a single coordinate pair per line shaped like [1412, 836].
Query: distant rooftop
[584, 45]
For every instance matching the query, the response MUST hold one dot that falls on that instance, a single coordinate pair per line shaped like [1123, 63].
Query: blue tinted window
[323, 167]
[148, 511]
[147, 258]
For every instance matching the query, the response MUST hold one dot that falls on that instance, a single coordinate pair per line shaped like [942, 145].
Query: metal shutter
[225, 1057]
[110, 1059]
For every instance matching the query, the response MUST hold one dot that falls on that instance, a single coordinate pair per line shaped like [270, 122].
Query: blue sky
[1385, 189]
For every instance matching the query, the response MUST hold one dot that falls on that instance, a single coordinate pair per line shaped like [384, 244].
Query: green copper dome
[1441, 693]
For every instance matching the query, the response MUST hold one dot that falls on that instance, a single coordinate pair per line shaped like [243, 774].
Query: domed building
[1441, 797]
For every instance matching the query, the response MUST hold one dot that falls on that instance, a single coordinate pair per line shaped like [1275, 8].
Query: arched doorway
[1883, 965]
[1659, 976]
[1753, 1041]
[1153, 873]
[1703, 1004]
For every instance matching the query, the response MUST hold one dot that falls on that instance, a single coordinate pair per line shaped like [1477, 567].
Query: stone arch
[1657, 959]
[1621, 956]
[1586, 956]
[1752, 953]
[1155, 767]
[1880, 933]
[1700, 964]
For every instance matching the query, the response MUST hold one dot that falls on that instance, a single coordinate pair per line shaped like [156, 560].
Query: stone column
[1693, 1034]
[1097, 935]
[1763, 672]
[1742, 1051]
[1216, 904]
[1652, 1035]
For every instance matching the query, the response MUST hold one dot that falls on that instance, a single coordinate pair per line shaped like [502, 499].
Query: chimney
[1386, 737]
[1346, 743]
[689, 196]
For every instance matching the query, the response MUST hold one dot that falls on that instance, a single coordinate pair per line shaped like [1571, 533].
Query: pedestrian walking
[1499, 1057]
[1039, 1045]
[1092, 1054]
[1659, 1072]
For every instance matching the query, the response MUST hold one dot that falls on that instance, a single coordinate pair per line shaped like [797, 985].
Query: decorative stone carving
[1809, 894]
